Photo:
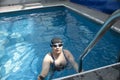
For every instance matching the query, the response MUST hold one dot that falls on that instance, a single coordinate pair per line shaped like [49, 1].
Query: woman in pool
[56, 60]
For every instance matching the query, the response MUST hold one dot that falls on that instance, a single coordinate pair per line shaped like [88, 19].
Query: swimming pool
[25, 37]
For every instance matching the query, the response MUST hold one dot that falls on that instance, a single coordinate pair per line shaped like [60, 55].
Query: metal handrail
[107, 25]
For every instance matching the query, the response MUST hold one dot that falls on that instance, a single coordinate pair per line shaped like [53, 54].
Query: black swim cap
[56, 40]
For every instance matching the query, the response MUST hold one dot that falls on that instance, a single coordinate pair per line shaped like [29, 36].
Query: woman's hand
[39, 78]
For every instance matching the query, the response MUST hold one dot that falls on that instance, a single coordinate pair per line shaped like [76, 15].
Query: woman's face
[57, 47]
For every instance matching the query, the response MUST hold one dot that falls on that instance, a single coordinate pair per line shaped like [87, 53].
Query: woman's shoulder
[66, 51]
[47, 56]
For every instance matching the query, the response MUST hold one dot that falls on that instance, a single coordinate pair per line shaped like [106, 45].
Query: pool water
[25, 39]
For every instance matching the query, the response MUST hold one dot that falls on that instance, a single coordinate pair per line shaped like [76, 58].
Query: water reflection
[18, 60]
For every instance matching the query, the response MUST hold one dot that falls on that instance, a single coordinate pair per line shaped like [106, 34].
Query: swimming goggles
[57, 45]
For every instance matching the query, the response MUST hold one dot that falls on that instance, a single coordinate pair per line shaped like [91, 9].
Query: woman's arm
[45, 68]
[72, 61]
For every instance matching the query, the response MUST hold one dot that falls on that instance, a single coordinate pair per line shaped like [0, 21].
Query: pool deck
[90, 13]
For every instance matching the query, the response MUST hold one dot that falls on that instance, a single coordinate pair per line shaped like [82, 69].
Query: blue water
[25, 37]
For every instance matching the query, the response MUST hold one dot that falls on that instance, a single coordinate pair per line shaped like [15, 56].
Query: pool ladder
[107, 25]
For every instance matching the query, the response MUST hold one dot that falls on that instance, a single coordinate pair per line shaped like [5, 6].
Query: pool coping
[93, 14]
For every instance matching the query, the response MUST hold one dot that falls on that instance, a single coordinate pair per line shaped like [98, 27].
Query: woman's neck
[56, 54]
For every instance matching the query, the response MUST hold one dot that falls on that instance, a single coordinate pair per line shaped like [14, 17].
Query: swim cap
[56, 40]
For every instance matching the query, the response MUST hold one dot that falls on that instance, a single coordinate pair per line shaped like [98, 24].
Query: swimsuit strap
[65, 57]
[52, 56]
[53, 59]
